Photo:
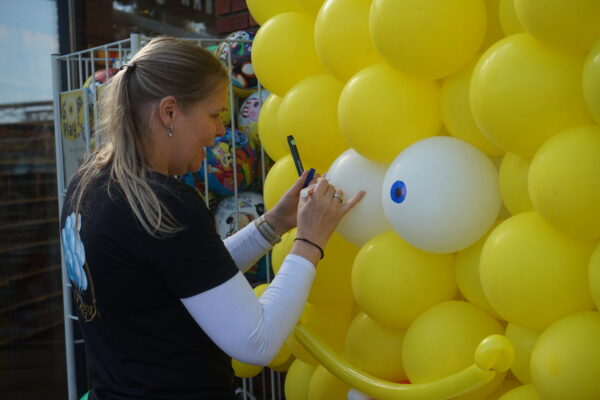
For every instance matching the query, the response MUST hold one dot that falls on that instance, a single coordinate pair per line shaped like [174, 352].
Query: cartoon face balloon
[242, 72]
[441, 194]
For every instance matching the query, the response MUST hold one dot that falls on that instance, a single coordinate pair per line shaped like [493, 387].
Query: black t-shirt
[141, 342]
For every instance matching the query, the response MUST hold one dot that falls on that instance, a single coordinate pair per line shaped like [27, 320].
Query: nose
[220, 128]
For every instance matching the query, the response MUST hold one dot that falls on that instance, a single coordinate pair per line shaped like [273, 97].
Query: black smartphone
[298, 162]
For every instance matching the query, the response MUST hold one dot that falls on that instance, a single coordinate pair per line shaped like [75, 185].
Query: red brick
[222, 7]
[232, 23]
[238, 5]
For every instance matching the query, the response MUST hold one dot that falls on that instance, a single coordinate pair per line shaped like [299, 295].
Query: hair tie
[129, 66]
[305, 240]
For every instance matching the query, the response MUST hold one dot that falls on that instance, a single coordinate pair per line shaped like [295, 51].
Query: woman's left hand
[283, 216]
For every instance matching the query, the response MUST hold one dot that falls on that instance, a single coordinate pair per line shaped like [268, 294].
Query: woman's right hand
[319, 213]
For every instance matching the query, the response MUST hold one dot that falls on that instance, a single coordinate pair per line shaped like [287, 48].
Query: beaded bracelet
[266, 230]
[314, 244]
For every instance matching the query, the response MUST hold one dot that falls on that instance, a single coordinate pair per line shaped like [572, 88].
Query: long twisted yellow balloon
[494, 354]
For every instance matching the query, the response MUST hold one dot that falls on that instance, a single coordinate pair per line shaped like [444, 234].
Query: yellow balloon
[507, 384]
[394, 282]
[467, 276]
[568, 25]
[330, 323]
[268, 128]
[299, 351]
[375, 348]
[456, 111]
[522, 93]
[523, 261]
[262, 10]
[442, 340]
[382, 111]
[282, 249]
[564, 181]
[494, 28]
[493, 357]
[513, 178]
[297, 380]
[342, 37]
[280, 178]
[310, 6]
[523, 340]
[508, 18]
[594, 275]
[243, 370]
[332, 286]
[431, 39]
[525, 392]
[283, 52]
[282, 359]
[591, 81]
[324, 386]
[565, 360]
[309, 112]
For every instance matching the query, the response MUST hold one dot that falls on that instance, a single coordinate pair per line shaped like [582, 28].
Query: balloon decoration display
[456, 112]
[382, 111]
[522, 93]
[523, 340]
[591, 82]
[567, 25]
[262, 10]
[469, 279]
[472, 126]
[431, 39]
[309, 112]
[563, 181]
[514, 183]
[559, 354]
[508, 18]
[351, 173]
[342, 37]
[268, 128]
[523, 260]
[441, 194]
[394, 282]
[220, 163]
[284, 53]
[375, 348]
[238, 48]
[279, 179]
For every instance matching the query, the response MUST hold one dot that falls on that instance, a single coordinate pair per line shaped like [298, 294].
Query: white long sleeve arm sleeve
[247, 246]
[250, 329]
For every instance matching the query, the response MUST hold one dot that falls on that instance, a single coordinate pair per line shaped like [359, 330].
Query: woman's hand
[320, 209]
[283, 216]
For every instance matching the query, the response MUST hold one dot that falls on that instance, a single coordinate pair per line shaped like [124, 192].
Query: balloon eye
[398, 192]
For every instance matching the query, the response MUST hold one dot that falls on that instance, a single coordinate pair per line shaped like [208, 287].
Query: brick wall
[232, 15]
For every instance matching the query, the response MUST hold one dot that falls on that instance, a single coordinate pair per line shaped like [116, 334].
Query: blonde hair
[164, 67]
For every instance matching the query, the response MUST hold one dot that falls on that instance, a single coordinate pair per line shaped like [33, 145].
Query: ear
[167, 110]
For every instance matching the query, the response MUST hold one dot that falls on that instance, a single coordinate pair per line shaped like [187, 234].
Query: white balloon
[352, 173]
[441, 194]
[354, 394]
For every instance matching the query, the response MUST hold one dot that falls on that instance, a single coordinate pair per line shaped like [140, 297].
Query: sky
[28, 36]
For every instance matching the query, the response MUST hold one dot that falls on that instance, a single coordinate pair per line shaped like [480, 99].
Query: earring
[170, 131]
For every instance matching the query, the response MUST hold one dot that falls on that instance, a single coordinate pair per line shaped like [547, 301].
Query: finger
[353, 201]
[297, 186]
[321, 187]
[338, 195]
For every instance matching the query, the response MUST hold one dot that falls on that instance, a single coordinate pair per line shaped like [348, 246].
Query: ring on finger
[337, 196]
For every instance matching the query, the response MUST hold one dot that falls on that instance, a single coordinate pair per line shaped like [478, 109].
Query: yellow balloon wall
[517, 84]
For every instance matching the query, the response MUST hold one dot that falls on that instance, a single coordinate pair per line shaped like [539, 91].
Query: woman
[162, 300]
